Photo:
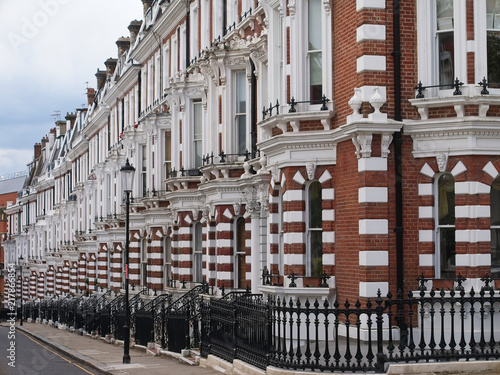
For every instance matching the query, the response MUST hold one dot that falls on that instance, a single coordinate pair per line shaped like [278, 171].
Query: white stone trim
[473, 260]
[427, 171]
[458, 169]
[328, 237]
[298, 178]
[472, 212]
[370, 32]
[490, 169]
[292, 195]
[371, 63]
[425, 189]
[183, 244]
[471, 187]
[294, 238]
[225, 259]
[373, 258]
[426, 260]
[426, 212]
[184, 230]
[328, 215]
[228, 213]
[326, 176]
[370, 4]
[426, 235]
[294, 258]
[329, 259]
[373, 226]
[293, 216]
[328, 194]
[370, 289]
[372, 195]
[372, 164]
[224, 242]
[473, 235]
[223, 227]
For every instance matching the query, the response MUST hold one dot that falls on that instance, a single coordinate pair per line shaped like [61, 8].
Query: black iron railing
[457, 84]
[431, 326]
[222, 158]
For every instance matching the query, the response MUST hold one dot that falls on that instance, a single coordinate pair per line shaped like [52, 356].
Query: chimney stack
[110, 66]
[45, 140]
[123, 45]
[60, 128]
[134, 28]
[147, 5]
[71, 118]
[90, 96]
[101, 78]
[38, 150]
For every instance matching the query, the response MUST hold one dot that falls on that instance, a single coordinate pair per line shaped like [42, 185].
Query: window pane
[493, 14]
[493, 43]
[241, 96]
[242, 131]
[315, 208]
[446, 187]
[314, 48]
[447, 251]
[316, 253]
[198, 152]
[495, 253]
[446, 58]
[314, 25]
[445, 14]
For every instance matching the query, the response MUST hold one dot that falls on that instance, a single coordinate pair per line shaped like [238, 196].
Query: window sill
[459, 102]
[282, 121]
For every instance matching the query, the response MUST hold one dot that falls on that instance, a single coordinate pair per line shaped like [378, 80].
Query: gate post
[380, 334]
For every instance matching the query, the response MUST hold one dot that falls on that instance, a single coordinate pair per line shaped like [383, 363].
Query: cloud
[49, 53]
[15, 160]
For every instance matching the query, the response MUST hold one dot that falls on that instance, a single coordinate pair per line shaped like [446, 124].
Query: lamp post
[21, 271]
[127, 173]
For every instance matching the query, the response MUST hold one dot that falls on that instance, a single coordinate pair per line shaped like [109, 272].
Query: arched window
[241, 270]
[445, 267]
[167, 261]
[314, 265]
[197, 256]
[495, 228]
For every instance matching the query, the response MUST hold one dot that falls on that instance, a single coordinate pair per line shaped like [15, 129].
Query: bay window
[240, 112]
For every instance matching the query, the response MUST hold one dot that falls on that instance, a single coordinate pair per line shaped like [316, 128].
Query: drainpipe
[397, 148]
[253, 113]
[188, 2]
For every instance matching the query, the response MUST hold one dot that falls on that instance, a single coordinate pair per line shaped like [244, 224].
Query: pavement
[107, 358]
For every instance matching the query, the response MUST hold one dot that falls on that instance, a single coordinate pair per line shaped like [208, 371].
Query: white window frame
[438, 227]
[144, 262]
[144, 171]
[428, 68]
[238, 253]
[197, 105]
[197, 252]
[237, 115]
[299, 67]
[167, 260]
[309, 229]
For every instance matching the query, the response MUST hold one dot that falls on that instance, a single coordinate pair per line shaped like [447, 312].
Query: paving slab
[107, 357]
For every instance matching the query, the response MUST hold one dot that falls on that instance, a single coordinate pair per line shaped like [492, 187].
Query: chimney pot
[110, 66]
[134, 28]
[123, 45]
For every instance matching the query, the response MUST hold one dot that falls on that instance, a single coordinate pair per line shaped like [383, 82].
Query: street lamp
[21, 271]
[127, 173]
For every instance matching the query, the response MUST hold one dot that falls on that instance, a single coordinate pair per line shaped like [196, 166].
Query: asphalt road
[31, 357]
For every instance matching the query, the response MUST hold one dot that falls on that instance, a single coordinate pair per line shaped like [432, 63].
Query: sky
[49, 50]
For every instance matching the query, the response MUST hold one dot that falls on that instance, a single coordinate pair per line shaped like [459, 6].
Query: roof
[12, 185]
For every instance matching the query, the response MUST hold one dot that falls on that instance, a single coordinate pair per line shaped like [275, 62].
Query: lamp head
[127, 173]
